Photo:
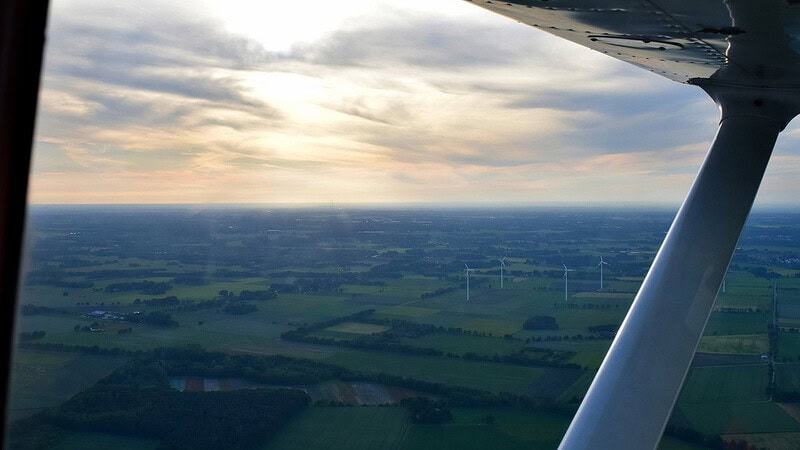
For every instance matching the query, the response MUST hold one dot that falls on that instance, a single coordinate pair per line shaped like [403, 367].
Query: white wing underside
[684, 40]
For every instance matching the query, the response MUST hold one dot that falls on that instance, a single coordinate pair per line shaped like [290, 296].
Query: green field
[604, 295]
[50, 324]
[671, 443]
[149, 337]
[582, 319]
[351, 428]
[788, 347]
[725, 384]
[327, 334]
[771, 441]
[42, 379]
[388, 428]
[513, 429]
[468, 436]
[787, 377]
[488, 376]
[734, 418]
[737, 323]
[588, 353]
[102, 441]
[307, 308]
[52, 296]
[208, 328]
[493, 326]
[402, 311]
[460, 344]
[578, 389]
[459, 318]
[408, 288]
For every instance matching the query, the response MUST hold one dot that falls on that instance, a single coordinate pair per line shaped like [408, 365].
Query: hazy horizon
[600, 206]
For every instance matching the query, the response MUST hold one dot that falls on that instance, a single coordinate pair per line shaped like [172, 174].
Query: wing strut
[633, 394]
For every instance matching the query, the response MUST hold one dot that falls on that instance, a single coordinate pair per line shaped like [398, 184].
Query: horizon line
[411, 205]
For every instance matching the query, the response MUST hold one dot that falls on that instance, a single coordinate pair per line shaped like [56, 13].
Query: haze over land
[358, 101]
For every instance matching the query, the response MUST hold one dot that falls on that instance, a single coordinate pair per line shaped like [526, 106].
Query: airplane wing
[684, 40]
[743, 53]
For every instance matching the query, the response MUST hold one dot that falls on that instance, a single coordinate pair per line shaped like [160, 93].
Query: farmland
[99, 441]
[353, 428]
[480, 375]
[380, 294]
[45, 379]
[725, 384]
[738, 418]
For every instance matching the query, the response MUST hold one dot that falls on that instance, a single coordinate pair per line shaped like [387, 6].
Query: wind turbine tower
[602, 263]
[725, 282]
[566, 280]
[467, 271]
[502, 266]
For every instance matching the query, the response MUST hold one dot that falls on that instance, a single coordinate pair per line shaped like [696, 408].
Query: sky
[357, 101]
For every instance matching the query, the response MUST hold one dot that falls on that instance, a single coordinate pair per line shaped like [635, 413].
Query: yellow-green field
[748, 344]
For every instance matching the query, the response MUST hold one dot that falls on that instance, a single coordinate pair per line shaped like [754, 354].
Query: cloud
[390, 102]
[130, 95]
[192, 60]
[415, 41]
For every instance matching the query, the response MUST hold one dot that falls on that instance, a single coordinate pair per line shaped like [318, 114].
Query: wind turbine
[566, 280]
[467, 271]
[502, 266]
[602, 263]
[725, 281]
